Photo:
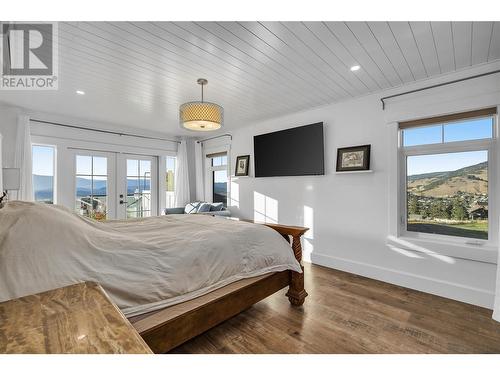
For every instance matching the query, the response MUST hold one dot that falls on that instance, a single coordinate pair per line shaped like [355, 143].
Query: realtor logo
[29, 56]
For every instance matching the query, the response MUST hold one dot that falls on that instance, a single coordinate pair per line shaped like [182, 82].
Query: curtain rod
[103, 131]
[218, 136]
[434, 86]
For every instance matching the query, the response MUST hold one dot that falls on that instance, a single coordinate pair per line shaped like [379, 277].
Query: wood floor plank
[347, 313]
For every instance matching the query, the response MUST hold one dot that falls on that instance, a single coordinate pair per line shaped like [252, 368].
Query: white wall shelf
[349, 172]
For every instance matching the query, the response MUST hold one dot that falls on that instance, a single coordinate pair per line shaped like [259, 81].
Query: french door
[137, 186]
[115, 186]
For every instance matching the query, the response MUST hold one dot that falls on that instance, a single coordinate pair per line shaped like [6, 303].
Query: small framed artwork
[353, 158]
[242, 165]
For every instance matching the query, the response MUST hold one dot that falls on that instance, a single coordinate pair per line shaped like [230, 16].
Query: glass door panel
[92, 185]
[139, 180]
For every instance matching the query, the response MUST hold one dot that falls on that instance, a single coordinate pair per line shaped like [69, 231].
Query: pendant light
[201, 116]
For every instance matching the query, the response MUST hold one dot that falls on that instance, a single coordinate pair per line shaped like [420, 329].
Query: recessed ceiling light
[355, 67]
[80, 92]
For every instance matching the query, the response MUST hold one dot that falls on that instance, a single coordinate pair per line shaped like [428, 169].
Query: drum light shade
[201, 116]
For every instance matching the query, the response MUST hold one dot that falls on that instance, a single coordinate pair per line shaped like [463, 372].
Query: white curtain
[199, 159]
[23, 158]
[181, 180]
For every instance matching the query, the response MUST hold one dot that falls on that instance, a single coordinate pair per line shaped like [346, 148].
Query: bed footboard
[296, 293]
[167, 328]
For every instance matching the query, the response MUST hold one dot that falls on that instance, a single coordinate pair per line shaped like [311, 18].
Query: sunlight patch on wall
[308, 246]
[235, 195]
[309, 222]
[265, 208]
[413, 247]
[409, 254]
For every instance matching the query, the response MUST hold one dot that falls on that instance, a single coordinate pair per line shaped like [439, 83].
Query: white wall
[349, 214]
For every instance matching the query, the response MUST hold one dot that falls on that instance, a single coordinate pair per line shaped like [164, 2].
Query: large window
[44, 160]
[92, 186]
[219, 178]
[446, 179]
[170, 183]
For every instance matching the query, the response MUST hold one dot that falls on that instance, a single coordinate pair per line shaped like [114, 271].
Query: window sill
[435, 247]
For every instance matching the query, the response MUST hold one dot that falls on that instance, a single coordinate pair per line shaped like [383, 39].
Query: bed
[172, 276]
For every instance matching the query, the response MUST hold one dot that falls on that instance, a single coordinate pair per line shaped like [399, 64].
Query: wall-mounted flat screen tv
[290, 152]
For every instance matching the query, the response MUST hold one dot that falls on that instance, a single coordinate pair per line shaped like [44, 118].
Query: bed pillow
[191, 208]
[204, 207]
[216, 207]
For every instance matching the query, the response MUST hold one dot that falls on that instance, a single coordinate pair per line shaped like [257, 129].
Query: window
[170, 183]
[138, 188]
[446, 180]
[219, 161]
[44, 159]
[220, 186]
[92, 186]
[219, 176]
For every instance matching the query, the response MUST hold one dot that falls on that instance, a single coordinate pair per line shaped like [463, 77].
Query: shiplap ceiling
[138, 73]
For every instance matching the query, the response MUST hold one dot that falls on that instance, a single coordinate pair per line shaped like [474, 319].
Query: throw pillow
[191, 208]
[216, 207]
[204, 207]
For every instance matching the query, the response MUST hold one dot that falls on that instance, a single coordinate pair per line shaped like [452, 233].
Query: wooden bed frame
[167, 328]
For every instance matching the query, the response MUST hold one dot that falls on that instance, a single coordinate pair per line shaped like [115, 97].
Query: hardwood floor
[345, 313]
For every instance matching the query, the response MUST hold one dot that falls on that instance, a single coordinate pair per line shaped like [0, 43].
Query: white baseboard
[459, 292]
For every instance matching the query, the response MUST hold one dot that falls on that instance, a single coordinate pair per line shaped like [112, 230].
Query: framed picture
[353, 158]
[242, 165]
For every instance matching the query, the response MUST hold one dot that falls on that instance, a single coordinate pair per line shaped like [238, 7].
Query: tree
[458, 210]
[447, 209]
[436, 209]
[413, 206]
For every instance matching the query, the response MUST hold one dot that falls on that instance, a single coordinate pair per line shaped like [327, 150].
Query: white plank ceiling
[137, 74]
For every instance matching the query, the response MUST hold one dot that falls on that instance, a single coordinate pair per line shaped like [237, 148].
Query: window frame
[489, 145]
[208, 171]
[54, 166]
[212, 170]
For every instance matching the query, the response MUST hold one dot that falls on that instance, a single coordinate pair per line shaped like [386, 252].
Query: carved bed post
[296, 293]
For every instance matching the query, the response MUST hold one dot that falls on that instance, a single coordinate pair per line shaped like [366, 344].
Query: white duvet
[143, 264]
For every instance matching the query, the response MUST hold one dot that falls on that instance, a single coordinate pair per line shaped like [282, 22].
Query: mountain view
[43, 187]
[453, 202]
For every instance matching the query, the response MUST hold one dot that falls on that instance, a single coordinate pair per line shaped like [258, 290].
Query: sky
[443, 162]
[170, 164]
[43, 160]
[460, 131]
